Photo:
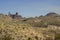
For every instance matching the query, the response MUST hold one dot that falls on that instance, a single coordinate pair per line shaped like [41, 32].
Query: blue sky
[28, 8]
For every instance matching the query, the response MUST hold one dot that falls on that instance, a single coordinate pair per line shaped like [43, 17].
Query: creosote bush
[29, 38]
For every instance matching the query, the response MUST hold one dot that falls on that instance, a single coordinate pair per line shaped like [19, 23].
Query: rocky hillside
[15, 27]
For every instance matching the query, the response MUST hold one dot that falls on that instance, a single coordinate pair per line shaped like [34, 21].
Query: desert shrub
[45, 21]
[36, 37]
[50, 21]
[38, 24]
[29, 38]
[49, 38]
[7, 37]
[57, 37]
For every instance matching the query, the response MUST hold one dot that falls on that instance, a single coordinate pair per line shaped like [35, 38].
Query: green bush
[57, 37]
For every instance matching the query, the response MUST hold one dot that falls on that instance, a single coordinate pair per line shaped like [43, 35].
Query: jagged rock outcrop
[15, 16]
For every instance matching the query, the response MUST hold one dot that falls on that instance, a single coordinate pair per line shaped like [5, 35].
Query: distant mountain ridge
[16, 15]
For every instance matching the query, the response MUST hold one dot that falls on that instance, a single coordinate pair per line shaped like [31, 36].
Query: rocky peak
[14, 16]
[52, 14]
